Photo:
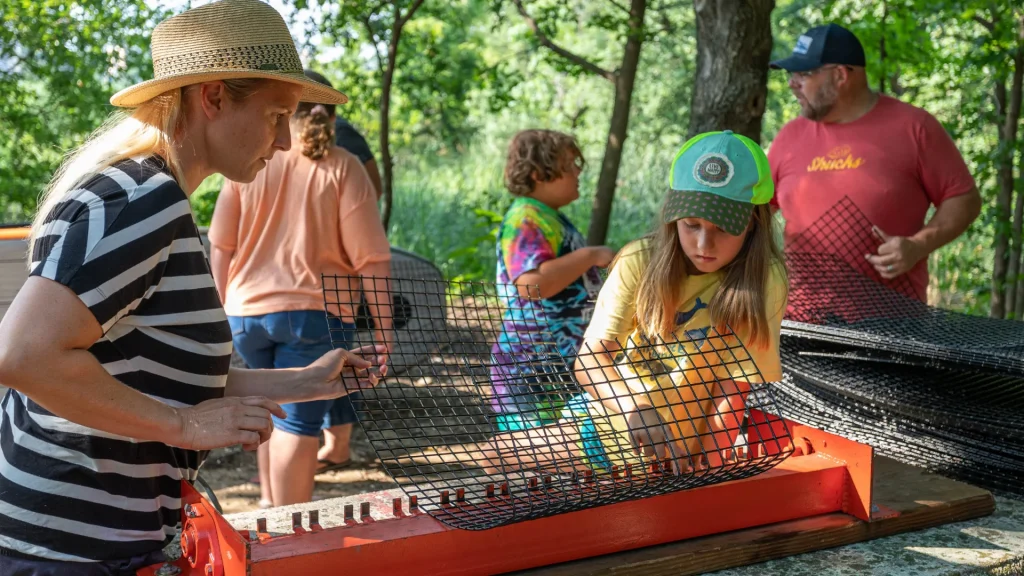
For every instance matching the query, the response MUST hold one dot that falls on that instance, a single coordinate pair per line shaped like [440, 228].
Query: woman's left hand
[340, 372]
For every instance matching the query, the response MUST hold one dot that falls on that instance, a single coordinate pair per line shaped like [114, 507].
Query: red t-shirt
[893, 163]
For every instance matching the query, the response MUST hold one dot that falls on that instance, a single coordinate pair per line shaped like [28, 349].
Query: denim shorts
[295, 340]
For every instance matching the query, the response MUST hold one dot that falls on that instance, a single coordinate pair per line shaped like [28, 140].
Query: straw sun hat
[222, 40]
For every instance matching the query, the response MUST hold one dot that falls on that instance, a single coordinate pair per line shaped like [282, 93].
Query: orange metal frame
[20, 233]
[823, 474]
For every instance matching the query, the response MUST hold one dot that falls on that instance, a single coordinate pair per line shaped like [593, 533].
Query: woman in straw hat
[117, 349]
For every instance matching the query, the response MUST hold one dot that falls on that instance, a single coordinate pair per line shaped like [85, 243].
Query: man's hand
[897, 254]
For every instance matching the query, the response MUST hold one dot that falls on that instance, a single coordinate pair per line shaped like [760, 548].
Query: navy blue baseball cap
[829, 44]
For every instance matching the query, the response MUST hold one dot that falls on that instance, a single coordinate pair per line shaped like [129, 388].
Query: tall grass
[449, 211]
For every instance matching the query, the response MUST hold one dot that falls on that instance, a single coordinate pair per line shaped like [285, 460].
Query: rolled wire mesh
[434, 420]
[866, 359]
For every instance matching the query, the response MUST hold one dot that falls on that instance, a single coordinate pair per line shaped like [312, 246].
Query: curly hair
[539, 156]
[315, 129]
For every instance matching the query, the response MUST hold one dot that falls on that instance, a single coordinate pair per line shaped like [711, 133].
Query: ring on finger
[888, 268]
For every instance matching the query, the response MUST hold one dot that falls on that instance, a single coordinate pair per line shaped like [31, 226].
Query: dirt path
[228, 472]
[439, 399]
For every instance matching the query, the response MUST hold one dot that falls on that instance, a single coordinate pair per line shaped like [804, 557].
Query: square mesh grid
[837, 296]
[866, 359]
[434, 425]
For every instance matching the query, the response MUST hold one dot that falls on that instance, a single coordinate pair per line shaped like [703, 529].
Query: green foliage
[439, 65]
[204, 199]
[60, 62]
[470, 74]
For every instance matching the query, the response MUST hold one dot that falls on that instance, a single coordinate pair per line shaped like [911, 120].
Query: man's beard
[823, 102]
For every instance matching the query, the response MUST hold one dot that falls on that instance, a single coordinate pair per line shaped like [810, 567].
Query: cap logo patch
[803, 44]
[714, 170]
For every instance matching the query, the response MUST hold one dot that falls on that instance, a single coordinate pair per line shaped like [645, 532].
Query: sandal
[329, 466]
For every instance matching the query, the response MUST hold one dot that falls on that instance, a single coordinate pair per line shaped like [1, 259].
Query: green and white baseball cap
[720, 177]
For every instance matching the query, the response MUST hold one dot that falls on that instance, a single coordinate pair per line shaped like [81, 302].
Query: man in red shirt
[891, 159]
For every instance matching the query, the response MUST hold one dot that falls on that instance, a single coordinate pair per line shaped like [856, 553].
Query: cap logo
[803, 44]
[714, 170]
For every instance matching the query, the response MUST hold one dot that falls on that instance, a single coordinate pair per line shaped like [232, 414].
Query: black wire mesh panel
[974, 458]
[837, 296]
[434, 424]
[415, 313]
[970, 402]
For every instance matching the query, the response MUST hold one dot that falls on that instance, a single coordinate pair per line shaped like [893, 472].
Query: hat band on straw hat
[273, 57]
[223, 40]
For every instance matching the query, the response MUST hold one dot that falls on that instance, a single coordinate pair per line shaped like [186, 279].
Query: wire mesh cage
[481, 437]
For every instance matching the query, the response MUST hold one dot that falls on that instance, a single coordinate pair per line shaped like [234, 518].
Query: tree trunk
[734, 44]
[385, 126]
[388, 178]
[1013, 269]
[881, 49]
[602, 210]
[1015, 280]
[1003, 279]
[1019, 235]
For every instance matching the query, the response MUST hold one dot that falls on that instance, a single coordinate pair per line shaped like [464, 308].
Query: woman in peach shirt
[311, 211]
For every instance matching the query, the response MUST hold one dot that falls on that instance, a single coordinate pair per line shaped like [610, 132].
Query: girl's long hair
[741, 299]
[143, 131]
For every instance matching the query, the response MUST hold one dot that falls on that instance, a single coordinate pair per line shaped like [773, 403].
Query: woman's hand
[339, 372]
[225, 422]
[653, 439]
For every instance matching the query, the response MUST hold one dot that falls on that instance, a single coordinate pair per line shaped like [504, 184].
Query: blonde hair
[143, 131]
[538, 156]
[740, 300]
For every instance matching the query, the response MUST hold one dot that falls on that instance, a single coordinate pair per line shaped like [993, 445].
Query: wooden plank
[922, 500]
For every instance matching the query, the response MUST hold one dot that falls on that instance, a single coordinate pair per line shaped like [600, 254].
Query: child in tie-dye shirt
[548, 280]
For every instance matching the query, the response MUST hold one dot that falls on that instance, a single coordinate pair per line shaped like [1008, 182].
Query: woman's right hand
[225, 422]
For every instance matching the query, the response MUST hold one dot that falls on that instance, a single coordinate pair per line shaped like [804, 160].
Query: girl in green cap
[688, 319]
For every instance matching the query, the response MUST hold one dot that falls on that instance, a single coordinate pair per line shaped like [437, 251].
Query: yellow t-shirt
[679, 377]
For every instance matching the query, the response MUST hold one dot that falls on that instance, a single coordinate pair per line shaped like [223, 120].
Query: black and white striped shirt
[125, 242]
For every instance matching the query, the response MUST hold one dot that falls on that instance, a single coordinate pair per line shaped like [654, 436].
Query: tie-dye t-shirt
[538, 336]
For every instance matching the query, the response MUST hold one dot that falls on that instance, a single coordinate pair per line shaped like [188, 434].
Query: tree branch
[988, 24]
[412, 10]
[574, 58]
[619, 6]
[374, 41]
